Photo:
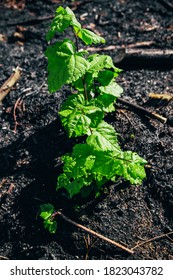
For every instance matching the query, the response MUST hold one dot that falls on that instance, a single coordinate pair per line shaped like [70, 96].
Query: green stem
[76, 41]
[84, 87]
[83, 79]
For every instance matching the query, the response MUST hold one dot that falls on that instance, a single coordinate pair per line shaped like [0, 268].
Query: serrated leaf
[62, 20]
[89, 37]
[132, 167]
[87, 164]
[74, 21]
[78, 116]
[46, 210]
[78, 124]
[73, 117]
[80, 150]
[87, 80]
[113, 89]
[51, 226]
[72, 185]
[96, 118]
[105, 102]
[76, 170]
[103, 164]
[105, 77]
[65, 65]
[103, 137]
[82, 154]
[125, 164]
[99, 62]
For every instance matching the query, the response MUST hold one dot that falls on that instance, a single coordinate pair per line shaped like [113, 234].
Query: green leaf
[103, 164]
[65, 18]
[96, 118]
[78, 116]
[76, 170]
[132, 167]
[99, 62]
[78, 124]
[46, 210]
[73, 117]
[125, 164]
[82, 155]
[51, 226]
[103, 138]
[113, 89]
[62, 20]
[105, 102]
[105, 77]
[87, 80]
[74, 185]
[65, 65]
[87, 164]
[89, 37]
[74, 21]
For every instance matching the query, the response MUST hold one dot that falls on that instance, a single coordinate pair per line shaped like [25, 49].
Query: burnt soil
[30, 155]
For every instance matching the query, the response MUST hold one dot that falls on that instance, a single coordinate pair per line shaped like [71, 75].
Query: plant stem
[76, 41]
[58, 213]
[85, 91]
[83, 78]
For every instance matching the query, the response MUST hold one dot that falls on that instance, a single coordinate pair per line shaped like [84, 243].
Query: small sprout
[46, 212]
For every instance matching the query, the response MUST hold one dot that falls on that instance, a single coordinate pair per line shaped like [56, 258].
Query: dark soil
[30, 157]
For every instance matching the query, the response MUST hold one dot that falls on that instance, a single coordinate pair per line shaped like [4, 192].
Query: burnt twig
[149, 53]
[58, 213]
[152, 239]
[116, 47]
[146, 112]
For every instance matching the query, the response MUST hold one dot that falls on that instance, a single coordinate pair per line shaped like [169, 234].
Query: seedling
[94, 91]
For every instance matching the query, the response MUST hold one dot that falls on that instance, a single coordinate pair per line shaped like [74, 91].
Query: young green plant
[94, 91]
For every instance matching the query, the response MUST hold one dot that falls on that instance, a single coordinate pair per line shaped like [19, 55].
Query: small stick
[141, 109]
[18, 102]
[149, 53]
[122, 112]
[3, 258]
[152, 239]
[116, 47]
[6, 87]
[58, 213]
[140, 44]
